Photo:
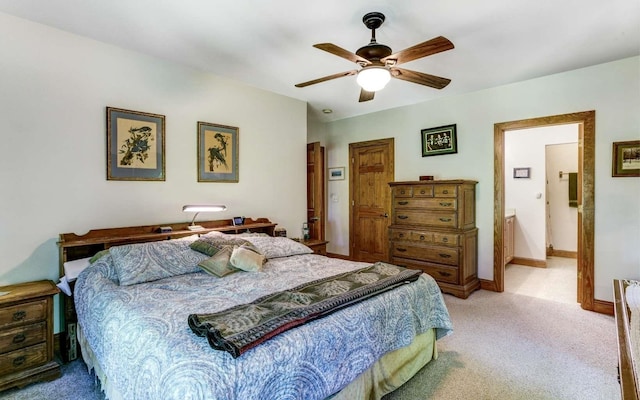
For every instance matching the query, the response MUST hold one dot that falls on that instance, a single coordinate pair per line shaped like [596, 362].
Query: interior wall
[55, 87]
[562, 220]
[526, 148]
[611, 89]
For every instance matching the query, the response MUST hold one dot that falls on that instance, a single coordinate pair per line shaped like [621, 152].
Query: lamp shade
[373, 78]
[204, 208]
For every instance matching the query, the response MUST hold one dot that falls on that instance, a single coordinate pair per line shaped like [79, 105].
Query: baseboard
[562, 253]
[486, 284]
[603, 307]
[529, 262]
[340, 256]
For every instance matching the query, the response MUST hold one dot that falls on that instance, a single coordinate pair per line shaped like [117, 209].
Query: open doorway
[542, 206]
[586, 183]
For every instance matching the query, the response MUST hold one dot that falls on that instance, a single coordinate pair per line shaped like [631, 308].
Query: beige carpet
[514, 346]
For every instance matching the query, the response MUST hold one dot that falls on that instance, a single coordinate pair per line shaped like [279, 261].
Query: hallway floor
[557, 282]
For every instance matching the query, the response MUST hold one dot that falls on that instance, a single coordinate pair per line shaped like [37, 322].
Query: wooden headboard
[73, 247]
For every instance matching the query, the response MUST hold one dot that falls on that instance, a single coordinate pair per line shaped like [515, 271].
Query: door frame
[390, 143]
[586, 198]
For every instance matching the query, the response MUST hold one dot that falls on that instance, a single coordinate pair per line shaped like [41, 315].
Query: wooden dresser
[433, 229]
[26, 334]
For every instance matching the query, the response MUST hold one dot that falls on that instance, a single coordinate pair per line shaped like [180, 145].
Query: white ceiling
[268, 44]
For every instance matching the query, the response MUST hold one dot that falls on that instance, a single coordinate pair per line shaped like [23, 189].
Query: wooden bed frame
[629, 387]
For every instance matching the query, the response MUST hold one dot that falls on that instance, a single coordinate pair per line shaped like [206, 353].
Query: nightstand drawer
[22, 359]
[23, 313]
[22, 336]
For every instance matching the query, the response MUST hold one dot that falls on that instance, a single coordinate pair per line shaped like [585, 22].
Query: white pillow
[274, 247]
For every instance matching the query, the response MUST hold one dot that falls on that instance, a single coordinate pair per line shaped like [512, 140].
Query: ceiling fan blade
[365, 95]
[433, 46]
[327, 78]
[340, 52]
[420, 78]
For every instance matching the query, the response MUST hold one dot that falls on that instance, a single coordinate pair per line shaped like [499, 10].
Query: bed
[134, 333]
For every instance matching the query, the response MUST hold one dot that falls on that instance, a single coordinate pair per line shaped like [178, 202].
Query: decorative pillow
[146, 262]
[98, 256]
[219, 265]
[274, 247]
[210, 244]
[246, 258]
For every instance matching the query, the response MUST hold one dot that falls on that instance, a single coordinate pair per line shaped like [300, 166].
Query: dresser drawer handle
[402, 192]
[18, 361]
[422, 192]
[19, 315]
[445, 219]
[445, 191]
[445, 255]
[401, 235]
[403, 203]
[19, 338]
[444, 273]
[400, 249]
[445, 204]
[402, 217]
[421, 237]
[445, 240]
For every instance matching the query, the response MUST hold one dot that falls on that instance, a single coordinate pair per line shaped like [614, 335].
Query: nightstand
[26, 334]
[318, 246]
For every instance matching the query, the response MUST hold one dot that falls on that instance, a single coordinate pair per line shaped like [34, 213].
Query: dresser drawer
[403, 191]
[441, 273]
[22, 336]
[23, 313]
[447, 239]
[415, 217]
[428, 203]
[446, 191]
[27, 357]
[440, 255]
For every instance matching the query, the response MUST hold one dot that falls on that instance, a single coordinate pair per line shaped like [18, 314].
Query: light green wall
[54, 90]
[612, 90]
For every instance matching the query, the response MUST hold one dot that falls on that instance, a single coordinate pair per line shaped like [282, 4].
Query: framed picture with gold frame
[218, 149]
[626, 158]
[135, 145]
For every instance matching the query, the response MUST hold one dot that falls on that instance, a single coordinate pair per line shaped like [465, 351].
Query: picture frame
[218, 153]
[520, 173]
[135, 145]
[336, 174]
[439, 140]
[626, 159]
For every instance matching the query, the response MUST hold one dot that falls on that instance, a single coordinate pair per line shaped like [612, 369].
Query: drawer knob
[445, 255]
[445, 219]
[18, 361]
[403, 203]
[421, 237]
[402, 217]
[402, 192]
[401, 235]
[19, 315]
[444, 273]
[445, 191]
[445, 239]
[400, 249]
[422, 192]
[445, 204]
[19, 338]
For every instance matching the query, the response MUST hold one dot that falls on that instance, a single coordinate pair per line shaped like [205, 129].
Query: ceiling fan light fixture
[373, 78]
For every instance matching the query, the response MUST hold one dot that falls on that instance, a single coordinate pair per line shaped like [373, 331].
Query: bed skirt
[386, 375]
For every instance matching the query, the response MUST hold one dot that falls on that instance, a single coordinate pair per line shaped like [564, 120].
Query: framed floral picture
[135, 145]
[218, 148]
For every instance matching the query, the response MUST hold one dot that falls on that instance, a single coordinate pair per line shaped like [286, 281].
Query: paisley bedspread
[144, 346]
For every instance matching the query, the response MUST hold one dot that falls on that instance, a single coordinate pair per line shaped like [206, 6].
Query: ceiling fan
[379, 65]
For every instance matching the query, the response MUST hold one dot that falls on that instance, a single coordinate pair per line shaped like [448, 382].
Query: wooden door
[372, 168]
[315, 190]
